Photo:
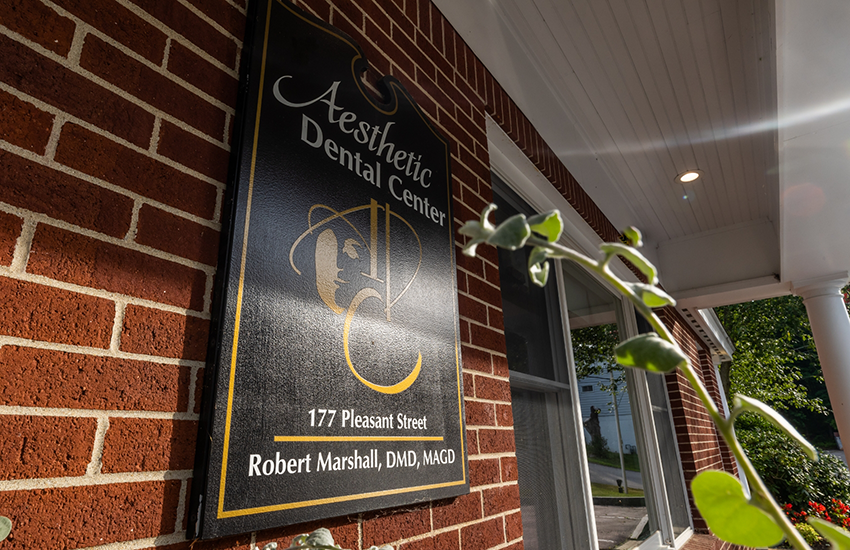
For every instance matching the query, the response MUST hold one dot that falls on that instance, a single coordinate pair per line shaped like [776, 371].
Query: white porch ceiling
[630, 93]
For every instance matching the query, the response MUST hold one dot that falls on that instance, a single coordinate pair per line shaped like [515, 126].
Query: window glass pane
[613, 450]
[540, 518]
[532, 320]
[545, 426]
[674, 483]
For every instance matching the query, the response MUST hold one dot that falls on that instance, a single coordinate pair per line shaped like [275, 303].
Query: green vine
[755, 520]
[5, 527]
[320, 539]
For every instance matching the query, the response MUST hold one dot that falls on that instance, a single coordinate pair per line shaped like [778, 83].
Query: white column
[831, 329]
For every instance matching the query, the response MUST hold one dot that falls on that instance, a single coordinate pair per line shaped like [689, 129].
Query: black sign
[333, 383]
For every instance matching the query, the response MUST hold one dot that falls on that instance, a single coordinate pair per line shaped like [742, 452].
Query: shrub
[809, 533]
[786, 470]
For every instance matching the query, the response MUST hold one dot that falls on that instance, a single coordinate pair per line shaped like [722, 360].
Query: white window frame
[514, 168]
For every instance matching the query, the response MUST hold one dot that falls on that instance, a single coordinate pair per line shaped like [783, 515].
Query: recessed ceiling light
[689, 176]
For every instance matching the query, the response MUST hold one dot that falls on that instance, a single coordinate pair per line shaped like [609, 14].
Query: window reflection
[612, 447]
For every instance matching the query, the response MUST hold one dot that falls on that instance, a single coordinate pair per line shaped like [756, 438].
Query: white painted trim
[512, 165]
[684, 537]
[821, 286]
[732, 293]
[578, 425]
[714, 330]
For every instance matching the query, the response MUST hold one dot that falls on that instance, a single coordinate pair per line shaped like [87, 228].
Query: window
[585, 430]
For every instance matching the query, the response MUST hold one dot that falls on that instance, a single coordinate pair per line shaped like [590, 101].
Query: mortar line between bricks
[181, 506]
[227, 121]
[485, 427]
[208, 291]
[494, 428]
[140, 544]
[26, 153]
[98, 352]
[466, 187]
[458, 527]
[133, 230]
[212, 22]
[154, 142]
[479, 300]
[100, 293]
[96, 465]
[193, 387]
[13, 410]
[77, 69]
[488, 486]
[59, 167]
[88, 481]
[117, 326]
[166, 54]
[179, 37]
[75, 52]
[238, 59]
[129, 245]
[83, 29]
[241, 9]
[480, 324]
[59, 120]
[477, 278]
[23, 246]
[488, 401]
[23, 96]
[487, 456]
[219, 201]
[491, 352]
[487, 375]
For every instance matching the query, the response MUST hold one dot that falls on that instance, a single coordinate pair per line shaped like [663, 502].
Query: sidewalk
[609, 476]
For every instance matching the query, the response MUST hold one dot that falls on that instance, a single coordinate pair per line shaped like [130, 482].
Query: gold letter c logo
[395, 388]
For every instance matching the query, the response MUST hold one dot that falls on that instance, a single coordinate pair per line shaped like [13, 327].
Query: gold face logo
[327, 257]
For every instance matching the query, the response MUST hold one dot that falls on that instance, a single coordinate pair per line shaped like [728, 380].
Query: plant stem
[760, 494]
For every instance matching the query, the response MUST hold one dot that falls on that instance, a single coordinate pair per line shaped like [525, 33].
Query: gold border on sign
[232, 378]
[308, 438]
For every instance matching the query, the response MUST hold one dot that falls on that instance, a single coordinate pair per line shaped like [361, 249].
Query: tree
[775, 361]
[772, 339]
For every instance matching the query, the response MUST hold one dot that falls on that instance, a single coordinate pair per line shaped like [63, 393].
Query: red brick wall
[700, 445]
[115, 121]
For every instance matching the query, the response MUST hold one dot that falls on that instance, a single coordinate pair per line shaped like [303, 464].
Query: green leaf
[839, 538]
[652, 295]
[729, 513]
[5, 527]
[538, 255]
[538, 267]
[479, 231]
[633, 256]
[649, 352]
[549, 225]
[745, 403]
[474, 230]
[511, 234]
[634, 237]
[539, 273]
[320, 537]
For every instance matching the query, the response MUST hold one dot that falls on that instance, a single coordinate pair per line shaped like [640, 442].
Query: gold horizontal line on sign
[309, 438]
